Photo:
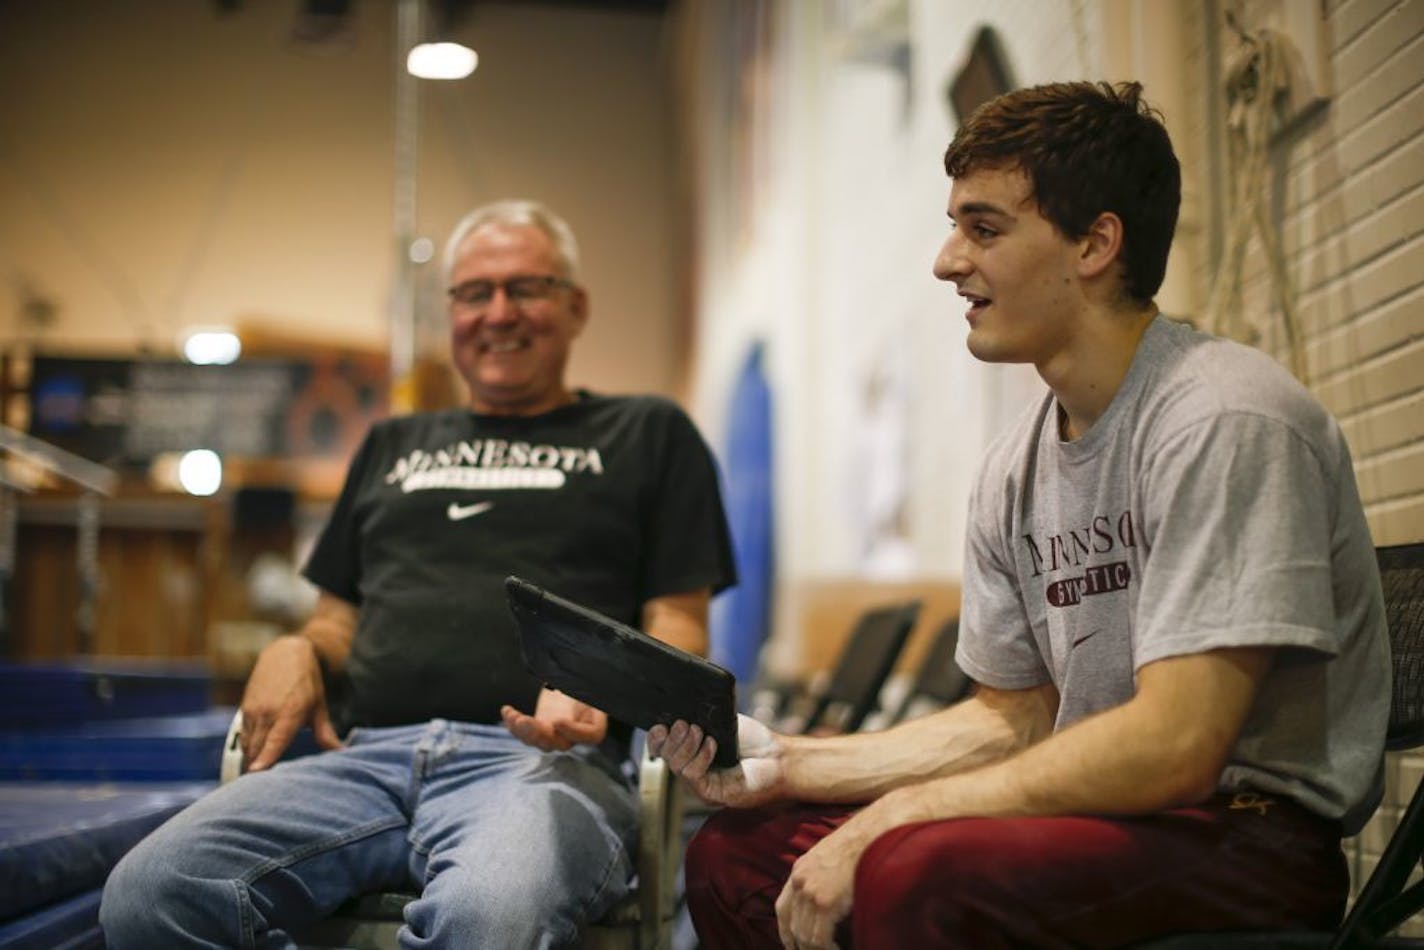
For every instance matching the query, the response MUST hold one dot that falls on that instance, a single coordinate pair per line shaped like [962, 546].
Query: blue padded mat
[89, 688]
[71, 924]
[59, 840]
[155, 749]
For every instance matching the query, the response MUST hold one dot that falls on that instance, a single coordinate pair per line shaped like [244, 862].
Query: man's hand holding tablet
[689, 753]
[622, 671]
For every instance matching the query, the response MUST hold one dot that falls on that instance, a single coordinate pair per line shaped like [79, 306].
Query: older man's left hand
[559, 722]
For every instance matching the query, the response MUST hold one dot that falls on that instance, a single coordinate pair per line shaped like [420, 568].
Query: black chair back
[939, 681]
[865, 663]
[1384, 903]
[1402, 577]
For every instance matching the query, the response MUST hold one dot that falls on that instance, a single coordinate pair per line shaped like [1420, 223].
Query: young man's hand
[755, 780]
[283, 694]
[817, 895]
[559, 722]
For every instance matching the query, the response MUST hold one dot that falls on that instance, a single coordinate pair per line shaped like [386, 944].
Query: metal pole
[407, 155]
[87, 613]
[9, 518]
[96, 480]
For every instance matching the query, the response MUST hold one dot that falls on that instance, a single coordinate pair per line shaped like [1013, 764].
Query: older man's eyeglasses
[520, 290]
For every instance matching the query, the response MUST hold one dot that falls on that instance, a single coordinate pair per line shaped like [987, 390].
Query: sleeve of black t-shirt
[335, 561]
[688, 544]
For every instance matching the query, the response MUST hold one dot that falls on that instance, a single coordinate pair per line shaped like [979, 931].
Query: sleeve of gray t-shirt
[1240, 538]
[996, 645]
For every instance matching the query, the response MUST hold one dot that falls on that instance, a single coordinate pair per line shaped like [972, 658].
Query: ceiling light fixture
[441, 61]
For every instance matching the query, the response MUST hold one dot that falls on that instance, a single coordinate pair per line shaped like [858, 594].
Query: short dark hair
[1086, 148]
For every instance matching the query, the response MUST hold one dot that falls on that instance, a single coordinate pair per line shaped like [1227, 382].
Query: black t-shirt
[608, 501]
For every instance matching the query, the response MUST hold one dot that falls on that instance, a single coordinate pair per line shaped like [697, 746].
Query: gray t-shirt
[1212, 505]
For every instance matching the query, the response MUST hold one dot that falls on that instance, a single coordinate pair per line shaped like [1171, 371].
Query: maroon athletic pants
[1244, 862]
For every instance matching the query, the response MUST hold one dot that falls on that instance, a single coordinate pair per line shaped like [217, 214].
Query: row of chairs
[850, 696]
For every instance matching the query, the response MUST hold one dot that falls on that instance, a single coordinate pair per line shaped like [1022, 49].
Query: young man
[504, 805]
[1171, 609]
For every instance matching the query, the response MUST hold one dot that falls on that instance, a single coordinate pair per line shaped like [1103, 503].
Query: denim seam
[618, 852]
[246, 922]
[320, 847]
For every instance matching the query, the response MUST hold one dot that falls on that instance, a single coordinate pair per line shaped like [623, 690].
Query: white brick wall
[1349, 200]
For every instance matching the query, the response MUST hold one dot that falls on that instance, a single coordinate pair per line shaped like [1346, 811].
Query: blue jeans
[508, 846]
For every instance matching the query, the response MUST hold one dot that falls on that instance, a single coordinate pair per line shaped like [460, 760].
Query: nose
[499, 312]
[951, 263]
[501, 309]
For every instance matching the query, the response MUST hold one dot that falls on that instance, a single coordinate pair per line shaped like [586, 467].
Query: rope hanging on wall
[1257, 81]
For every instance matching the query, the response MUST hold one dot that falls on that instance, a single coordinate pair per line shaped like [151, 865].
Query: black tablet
[624, 672]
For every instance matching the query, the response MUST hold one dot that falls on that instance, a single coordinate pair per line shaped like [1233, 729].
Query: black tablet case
[624, 672]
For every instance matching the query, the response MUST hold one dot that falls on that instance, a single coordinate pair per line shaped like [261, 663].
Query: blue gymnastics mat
[151, 749]
[58, 840]
[85, 689]
[71, 924]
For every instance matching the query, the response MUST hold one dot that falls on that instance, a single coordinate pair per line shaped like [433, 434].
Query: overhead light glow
[200, 472]
[212, 346]
[441, 61]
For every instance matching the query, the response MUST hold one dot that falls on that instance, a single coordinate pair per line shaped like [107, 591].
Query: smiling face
[512, 353]
[1019, 275]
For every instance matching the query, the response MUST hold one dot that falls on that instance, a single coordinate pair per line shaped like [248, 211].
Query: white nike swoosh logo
[461, 512]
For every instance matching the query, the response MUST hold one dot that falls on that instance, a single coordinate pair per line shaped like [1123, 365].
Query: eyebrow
[980, 207]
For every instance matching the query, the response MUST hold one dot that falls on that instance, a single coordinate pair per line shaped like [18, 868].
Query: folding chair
[1385, 901]
[939, 681]
[641, 921]
[853, 687]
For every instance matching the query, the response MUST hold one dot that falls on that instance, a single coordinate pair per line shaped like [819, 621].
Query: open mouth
[977, 304]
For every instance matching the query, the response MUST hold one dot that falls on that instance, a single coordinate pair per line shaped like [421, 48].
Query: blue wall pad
[741, 616]
[154, 749]
[100, 688]
[60, 840]
[71, 924]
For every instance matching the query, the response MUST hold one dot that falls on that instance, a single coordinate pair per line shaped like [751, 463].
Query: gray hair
[522, 214]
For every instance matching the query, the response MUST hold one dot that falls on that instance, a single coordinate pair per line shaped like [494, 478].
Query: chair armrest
[232, 760]
[659, 848]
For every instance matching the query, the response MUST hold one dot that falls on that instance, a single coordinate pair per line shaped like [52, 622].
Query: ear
[578, 306]
[1101, 247]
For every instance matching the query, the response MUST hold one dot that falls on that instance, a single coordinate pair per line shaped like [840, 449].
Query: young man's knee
[907, 865]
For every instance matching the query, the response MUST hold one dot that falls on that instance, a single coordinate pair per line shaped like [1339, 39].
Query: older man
[503, 804]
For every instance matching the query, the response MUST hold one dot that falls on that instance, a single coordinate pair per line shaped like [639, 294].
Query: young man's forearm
[988, 727]
[1163, 749]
